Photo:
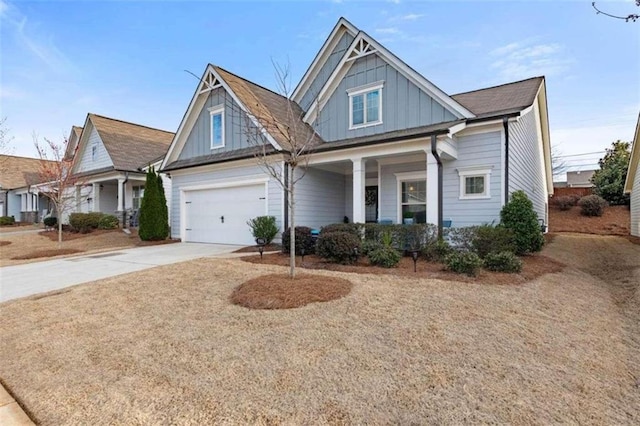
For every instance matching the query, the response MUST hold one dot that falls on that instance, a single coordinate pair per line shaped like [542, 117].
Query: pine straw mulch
[615, 221]
[534, 266]
[70, 236]
[280, 291]
[254, 249]
[167, 346]
[4, 243]
[46, 253]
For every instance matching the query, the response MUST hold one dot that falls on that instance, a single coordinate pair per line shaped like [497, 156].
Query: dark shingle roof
[504, 99]
[18, 172]
[281, 117]
[131, 146]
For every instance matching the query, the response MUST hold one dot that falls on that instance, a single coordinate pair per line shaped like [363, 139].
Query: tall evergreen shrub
[518, 216]
[154, 223]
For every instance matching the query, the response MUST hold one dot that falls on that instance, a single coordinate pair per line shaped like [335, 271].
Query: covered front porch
[390, 183]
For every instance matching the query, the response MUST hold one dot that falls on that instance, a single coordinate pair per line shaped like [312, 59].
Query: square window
[475, 182]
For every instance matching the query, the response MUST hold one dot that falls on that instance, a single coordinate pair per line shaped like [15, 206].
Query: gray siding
[102, 158]
[473, 151]
[525, 162]
[388, 192]
[320, 198]
[178, 181]
[404, 105]
[236, 128]
[326, 70]
[635, 205]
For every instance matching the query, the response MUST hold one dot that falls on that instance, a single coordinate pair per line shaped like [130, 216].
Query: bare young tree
[5, 143]
[56, 181]
[632, 17]
[558, 163]
[296, 140]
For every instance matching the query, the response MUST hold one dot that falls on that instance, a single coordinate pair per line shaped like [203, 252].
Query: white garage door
[220, 215]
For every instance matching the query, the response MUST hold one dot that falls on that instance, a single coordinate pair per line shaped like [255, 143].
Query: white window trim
[215, 110]
[363, 90]
[404, 177]
[481, 171]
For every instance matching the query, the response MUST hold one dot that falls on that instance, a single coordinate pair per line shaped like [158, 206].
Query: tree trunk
[292, 233]
[59, 228]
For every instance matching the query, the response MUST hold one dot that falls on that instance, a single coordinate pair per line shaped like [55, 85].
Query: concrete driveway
[33, 278]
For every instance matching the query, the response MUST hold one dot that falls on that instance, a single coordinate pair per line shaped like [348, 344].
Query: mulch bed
[4, 243]
[633, 239]
[69, 236]
[254, 249]
[46, 253]
[156, 243]
[614, 221]
[279, 291]
[534, 266]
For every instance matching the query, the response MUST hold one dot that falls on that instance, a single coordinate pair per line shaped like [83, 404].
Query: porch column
[96, 197]
[359, 181]
[432, 189]
[120, 195]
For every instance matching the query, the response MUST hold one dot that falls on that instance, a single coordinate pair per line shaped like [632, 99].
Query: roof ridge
[129, 122]
[499, 85]
[251, 82]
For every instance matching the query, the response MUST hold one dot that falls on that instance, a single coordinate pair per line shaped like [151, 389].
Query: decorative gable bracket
[360, 49]
[210, 82]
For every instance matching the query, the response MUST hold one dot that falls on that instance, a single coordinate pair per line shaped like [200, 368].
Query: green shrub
[436, 250]
[153, 219]
[84, 222]
[565, 203]
[263, 227]
[338, 247]
[367, 246]
[50, 221]
[462, 238]
[7, 220]
[108, 221]
[504, 261]
[463, 262]
[404, 237]
[351, 228]
[490, 239]
[518, 216]
[384, 256]
[303, 240]
[592, 205]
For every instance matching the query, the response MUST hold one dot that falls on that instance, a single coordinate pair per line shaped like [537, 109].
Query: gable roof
[275, 112]
[131, 146]
[634, 161]
[503, 99]
[18, 172]
[74, 138]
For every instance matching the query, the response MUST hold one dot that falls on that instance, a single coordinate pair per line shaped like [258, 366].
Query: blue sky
[63, 59]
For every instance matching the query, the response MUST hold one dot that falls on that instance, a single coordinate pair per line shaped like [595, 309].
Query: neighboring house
[111, 160]
[387, 143]
[632, 183]
[19, 195]
[580, 179]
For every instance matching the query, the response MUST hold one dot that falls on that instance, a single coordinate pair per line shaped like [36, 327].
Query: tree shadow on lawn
[534, 266]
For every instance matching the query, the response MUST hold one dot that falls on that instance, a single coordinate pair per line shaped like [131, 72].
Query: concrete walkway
[33, 278]
[11, 414]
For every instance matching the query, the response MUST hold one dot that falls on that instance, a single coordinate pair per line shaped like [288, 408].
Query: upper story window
[475, 183]
[217, 126]
[365, 105]
[94, 152]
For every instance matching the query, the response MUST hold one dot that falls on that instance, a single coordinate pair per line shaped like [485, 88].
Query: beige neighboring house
[580, 179]
[111, 160]
[632, 184]
[19, 195]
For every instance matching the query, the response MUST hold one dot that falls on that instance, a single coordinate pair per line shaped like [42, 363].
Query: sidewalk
[11, 414]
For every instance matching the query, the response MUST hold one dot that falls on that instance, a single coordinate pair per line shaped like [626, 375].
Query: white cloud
[525, 59]
[388, 30]
[411, 16]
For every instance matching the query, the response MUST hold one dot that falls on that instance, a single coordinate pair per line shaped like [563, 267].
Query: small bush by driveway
[167, 346]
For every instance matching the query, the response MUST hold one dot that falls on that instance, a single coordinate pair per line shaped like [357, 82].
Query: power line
[580, 155]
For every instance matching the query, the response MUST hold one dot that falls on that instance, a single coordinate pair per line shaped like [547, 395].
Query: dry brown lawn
[30, 245]
[166, 346]
[614, 221]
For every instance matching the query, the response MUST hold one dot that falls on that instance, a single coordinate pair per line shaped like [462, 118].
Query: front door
[371, 204]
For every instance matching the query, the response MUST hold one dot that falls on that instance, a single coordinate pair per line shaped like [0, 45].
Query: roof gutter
[434, 151]
[505, 124]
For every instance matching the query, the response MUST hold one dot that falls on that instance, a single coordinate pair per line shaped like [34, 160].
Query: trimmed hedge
[565, 202]
[385, 256]
[592, 205]
[463, 262]
[50, 221]
[108, 221]
[338, 246]
[351, 228]
[263, 227]
[87, 222]
[519, 216]
[7, 220]
[504, 261]
[493, 239]
[436, 251]
[303, 240]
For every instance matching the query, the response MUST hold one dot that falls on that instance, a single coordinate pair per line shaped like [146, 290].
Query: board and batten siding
[101, 160]
[326, 70]
[320, 198]
[237, 127]
[180, 180]
[479, 150]
[404, 105]
[635, 204]
[525, 162]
